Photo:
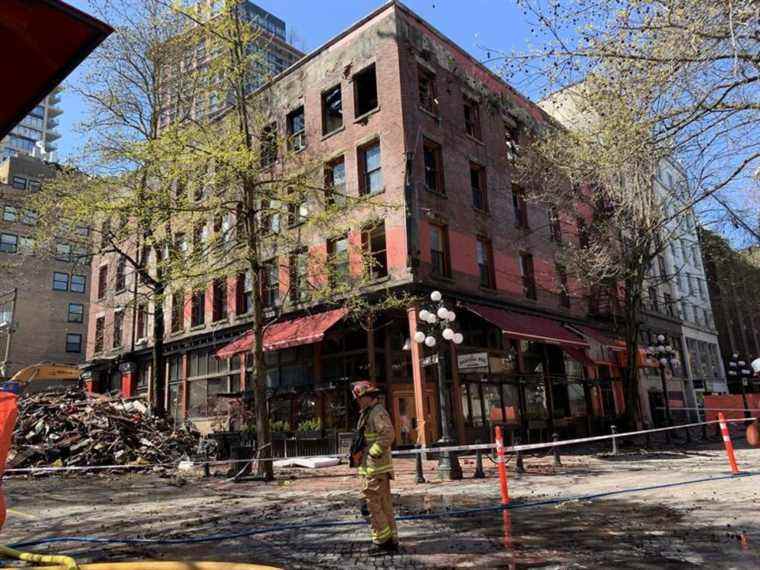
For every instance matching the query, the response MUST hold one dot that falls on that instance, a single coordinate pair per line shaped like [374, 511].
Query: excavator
[47, 376]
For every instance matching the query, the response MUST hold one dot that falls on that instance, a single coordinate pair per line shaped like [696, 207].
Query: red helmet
[364, 388]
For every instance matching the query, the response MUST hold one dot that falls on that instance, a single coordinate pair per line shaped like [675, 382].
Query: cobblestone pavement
[712, 524]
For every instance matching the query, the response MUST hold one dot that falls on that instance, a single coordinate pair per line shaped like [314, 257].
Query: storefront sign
[477, 360]
[430, 360]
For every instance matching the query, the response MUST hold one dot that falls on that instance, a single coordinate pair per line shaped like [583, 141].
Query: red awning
[304, 330]
[528, 327]
[579, 355]
[601, 337]
[42, 41]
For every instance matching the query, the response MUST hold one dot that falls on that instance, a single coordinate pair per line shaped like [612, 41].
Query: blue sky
[497, 24]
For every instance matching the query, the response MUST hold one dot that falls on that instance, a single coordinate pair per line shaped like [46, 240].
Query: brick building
[49, 287]
[392, 107]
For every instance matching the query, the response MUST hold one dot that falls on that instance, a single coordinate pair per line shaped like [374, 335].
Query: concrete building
[183, 98]
[43, 293]
[441, 130]
[37, 132]
[732, 280]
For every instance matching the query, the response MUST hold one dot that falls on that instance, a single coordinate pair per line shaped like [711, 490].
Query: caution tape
[397, 453]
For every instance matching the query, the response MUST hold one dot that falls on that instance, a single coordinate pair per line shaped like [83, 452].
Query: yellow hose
[60, 561]
[149, 565]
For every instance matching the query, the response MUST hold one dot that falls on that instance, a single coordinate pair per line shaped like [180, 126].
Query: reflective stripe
[376, 450]
[382, 536]
[370, 471]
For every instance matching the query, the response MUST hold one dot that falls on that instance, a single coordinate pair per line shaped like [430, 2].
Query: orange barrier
[728, 444]
[8, 416]
[502, 466]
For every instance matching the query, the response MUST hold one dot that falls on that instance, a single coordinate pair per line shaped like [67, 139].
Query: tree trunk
[631, 372]
[158, 402]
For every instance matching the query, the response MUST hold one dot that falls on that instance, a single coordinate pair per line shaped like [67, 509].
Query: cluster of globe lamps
[442, 317]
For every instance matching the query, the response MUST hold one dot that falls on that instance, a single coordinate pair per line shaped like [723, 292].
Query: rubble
[79, 429]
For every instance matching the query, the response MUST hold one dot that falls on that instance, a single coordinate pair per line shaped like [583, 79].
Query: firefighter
[371, 454]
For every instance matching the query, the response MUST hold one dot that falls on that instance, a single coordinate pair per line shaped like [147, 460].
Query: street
[712, 524]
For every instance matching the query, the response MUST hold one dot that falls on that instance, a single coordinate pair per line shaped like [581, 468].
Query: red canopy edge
[295, 332]
[528, 327]
[601, 337]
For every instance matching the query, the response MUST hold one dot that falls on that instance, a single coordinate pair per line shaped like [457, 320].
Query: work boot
[364, 508]
[384, 549]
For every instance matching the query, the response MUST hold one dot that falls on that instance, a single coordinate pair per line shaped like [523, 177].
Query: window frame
[219, 300]
[365, 175]
[59, 273]
[440, 267]
[472, 124]
[118, 329]
[10, 213]
[84, 284]
[425, 74]
[198, 308]
[337, 88]
[69, 343]
[102, 291]
[564, 287]
[520, 207]
[8, 247]
[178, 312]
[528, 275]
[480, 192]
[100, 329]
[359, 110]
[435, 150]
[298, 270]
[368, 236]
[69, 313]
[296, 139]
[486, 272]
[269, 283]
[141, 322]
[268, 145]
[335, 262]
[335, 195]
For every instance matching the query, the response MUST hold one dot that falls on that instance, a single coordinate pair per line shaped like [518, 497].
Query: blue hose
[328, 524]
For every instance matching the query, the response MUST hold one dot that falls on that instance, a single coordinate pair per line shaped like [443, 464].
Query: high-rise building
[37, 132]
[182, 98]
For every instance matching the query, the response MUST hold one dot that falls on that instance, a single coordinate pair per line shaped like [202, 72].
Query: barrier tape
[397, 453]
[673, 409]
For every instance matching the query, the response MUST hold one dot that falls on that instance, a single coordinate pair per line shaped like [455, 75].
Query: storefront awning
[528, 327]
[579, 355]
[295, 332]
[601, 337]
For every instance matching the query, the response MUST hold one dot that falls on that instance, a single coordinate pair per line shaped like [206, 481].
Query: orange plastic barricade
[8, 415]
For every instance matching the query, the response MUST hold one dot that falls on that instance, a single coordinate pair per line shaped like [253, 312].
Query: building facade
[37, 132]
[43, 294]
[732, 280]
[394, 108]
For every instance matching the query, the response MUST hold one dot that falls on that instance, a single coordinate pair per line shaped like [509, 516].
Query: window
[427, 90]
[564, 290]
[178, 311]
[433, 167]
[60, 281]
[268, 145]
[63, 252]
[528, 275]
[100, 327]
[365, 91]
[512, 139]
[19, 182]
[335, 181]
[471, 117]
[78, 283]
[181, 245]
[371, 180]
[583, 237]
[373, 242]
[697, 315]
[337, 251]
[243, 293]
[662, 267]
[695, 255]
[684, 251]
[484, 254]
[26, 245]
[105, 234]
[701, 288]
[298, 275]
[478, 187]
[83, 231]
[118, 328]
[8, 243]
[198, 308]
[10, 214]
[691, 283]
[270, 284]
[519, 206]
[555, 226]
[270, 215]
[298, 211]
[29, 217]
[668, 300]
[296, 130]
[439, 250]
[76, 313]
[219, 308]
[102, 281]
[142, 322]
[332, 110]
[73, 342]
[685, 311]
[653, 303]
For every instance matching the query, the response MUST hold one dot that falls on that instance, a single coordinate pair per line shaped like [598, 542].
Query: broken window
[433, 167]
[365, 91]
[332, 110]
[371, 179]
[268, 145]
[198, 308]
[472, 117]
[478, 186]
[373, 242]
[528, 275]
[296, 130]
[427, 90]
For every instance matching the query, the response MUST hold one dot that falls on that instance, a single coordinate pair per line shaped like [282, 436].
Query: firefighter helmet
[364, 388]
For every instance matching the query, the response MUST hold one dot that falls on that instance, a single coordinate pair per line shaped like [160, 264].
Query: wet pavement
[712, 524]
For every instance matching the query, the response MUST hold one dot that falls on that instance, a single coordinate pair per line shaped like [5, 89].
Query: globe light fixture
[458, 338]
[448, 334]
[419, 337]
[443, 313]
[424, 313]
[430, 342]
[436, 296]
[451, 317]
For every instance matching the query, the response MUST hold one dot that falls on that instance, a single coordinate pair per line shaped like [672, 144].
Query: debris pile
[77, 429]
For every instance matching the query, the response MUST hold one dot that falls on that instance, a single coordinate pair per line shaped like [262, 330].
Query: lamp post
[738, 369]
[438, 331]
[665, 355]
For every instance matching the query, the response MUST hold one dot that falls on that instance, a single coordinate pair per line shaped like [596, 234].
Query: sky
[473, 24]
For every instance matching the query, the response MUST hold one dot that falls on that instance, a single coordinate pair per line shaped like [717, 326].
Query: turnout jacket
[378, 436]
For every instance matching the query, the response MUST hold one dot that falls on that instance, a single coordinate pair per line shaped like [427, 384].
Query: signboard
[430, 360]
[476, 360]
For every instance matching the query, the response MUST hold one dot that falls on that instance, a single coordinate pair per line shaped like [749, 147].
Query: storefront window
[577, 399]
[511, 403]
[492, 401]
[336, 416]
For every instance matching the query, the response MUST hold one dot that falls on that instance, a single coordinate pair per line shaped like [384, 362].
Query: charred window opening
[332, 110]
[365, 91]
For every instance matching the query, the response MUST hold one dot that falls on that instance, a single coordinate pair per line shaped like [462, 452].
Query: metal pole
[668, 417]
[9, 335]
[555, 450]
[519, 464]
[419, 477]
[479, 473]
[448, 464]
[613, 429]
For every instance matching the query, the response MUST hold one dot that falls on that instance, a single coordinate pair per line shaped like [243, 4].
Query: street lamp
[738, 370]
[437, 332]
[665, 355]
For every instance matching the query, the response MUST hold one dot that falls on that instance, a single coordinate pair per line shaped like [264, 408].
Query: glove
[375, 451]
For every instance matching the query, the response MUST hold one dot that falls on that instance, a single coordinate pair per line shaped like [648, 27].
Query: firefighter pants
[377, 492]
